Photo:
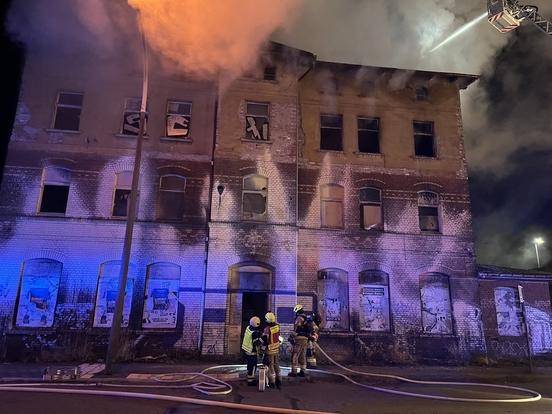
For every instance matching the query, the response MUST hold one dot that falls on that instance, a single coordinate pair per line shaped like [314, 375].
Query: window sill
[332, 228]
[63, 131]
[437, 336]
[424, 157]
[45, 214]
[256, 141]
[368, 154]
[119, 135]
[176, 139]
[431, 232]
[337, 152]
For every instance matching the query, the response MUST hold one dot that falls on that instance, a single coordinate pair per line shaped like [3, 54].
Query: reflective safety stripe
[274, 338]
[247, 344]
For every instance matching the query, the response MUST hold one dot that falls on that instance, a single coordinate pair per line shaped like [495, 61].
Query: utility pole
[526, 325]
[115, 331]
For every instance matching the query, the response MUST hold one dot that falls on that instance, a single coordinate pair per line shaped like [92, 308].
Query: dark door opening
[253, 304]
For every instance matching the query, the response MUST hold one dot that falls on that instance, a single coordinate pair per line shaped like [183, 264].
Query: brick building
[340, 187]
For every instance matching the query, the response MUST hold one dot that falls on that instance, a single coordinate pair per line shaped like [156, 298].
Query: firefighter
[299, 339]
[251, 340]
[313, 322]
[271, 337]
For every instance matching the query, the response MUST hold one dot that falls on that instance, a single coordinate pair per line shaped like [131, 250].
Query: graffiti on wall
[161, 299]
[38, 293]
[374, 308]
[436, 307]
[106, 298]
[332, 289]
[540, 328]
[508, 311]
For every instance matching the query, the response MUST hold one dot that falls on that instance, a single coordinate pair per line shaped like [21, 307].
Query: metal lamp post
[115, 332]
[538, 241]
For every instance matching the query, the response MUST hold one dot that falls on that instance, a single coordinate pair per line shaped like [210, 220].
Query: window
[269, 73]
[131, 117]
[55, 190]
[422, 93]
[436, 307]
[370, 209]
[178, 120]
[424, 142]
[171, 197]
[428, 211]
[374, 301]
[368, 135]
[331, 132]
[38, 293]
[68, 111]
[256, 121]
[331, 208]
[122, 194]
[161, 296]
[254, 198]
[333, 299]
[509, 315]
[367, 88]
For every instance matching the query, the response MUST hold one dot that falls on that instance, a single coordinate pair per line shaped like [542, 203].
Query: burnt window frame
[369, 131]
[332, 128]
[263, 191]
[331, 199]
[421, 93]
[133, 110]
[188, 116]
[419, 136]
[60, 106]
[256, 116]
[362, 203]
[270, 73]
[423, 205]
[121, 187]
[162, 191]
[47, 182]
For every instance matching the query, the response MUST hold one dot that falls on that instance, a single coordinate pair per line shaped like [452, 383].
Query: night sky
[507, 115]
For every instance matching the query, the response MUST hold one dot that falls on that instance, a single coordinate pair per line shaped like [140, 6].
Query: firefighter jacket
[271, 337]
[250, 341]
[300, 327]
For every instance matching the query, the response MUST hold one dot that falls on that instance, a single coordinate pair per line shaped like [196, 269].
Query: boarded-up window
[368, 135]
[68, 111]
[371, 212]
[121, 196]
[38, 293]
[55, 190]
[256, 121]
[333, 299]
[254, 198]
[331, 132]
[428, 211]
[331, 205]
[161, 296]
[424, 140]
[171, 197]
[131, 117]
[374, 301]
[509, 315]
[436, 306]
[179, 116]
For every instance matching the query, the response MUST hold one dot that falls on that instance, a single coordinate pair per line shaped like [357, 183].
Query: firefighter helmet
[270, 317]
[297, 308]
[255, 322]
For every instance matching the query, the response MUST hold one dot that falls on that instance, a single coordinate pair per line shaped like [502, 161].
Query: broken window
[38, 293]
[371, 216]
[368, 135]
[171, 197]
[436, 305]
[55, 190]
[254, 198]
[509, 316]
[131, 117]
[422, 93]
[424, 140]
[374, 301]
[256, 121]
[179, 116]
[333, 299]
[331, 205]
[68, 111]
[161, 296]
[269, 73]
[331, 132]
[121, 197]
[428, 211]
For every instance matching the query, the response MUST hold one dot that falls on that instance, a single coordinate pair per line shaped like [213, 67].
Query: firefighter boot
[278, 383]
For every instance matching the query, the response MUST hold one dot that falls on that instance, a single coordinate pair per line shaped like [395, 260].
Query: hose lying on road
[535, 396]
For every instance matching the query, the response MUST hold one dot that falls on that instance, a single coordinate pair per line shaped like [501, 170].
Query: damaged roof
[491, 271]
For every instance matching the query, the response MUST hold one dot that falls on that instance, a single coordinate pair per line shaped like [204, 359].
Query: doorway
[253, 304]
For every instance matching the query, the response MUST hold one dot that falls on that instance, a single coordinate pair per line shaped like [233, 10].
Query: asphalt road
[317, 395]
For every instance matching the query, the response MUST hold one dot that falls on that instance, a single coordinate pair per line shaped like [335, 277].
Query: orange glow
[205, 37]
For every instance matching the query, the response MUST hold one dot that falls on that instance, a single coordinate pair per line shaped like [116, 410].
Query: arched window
[508, 311]
[55, 190]
[161, 296]
[333, 299]
[121, 195]
[436, 305]
[331, 205]
[171, 197]
[374, 301]
[38, 293]
[254, 197]
[371, 211]
[428, 211]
